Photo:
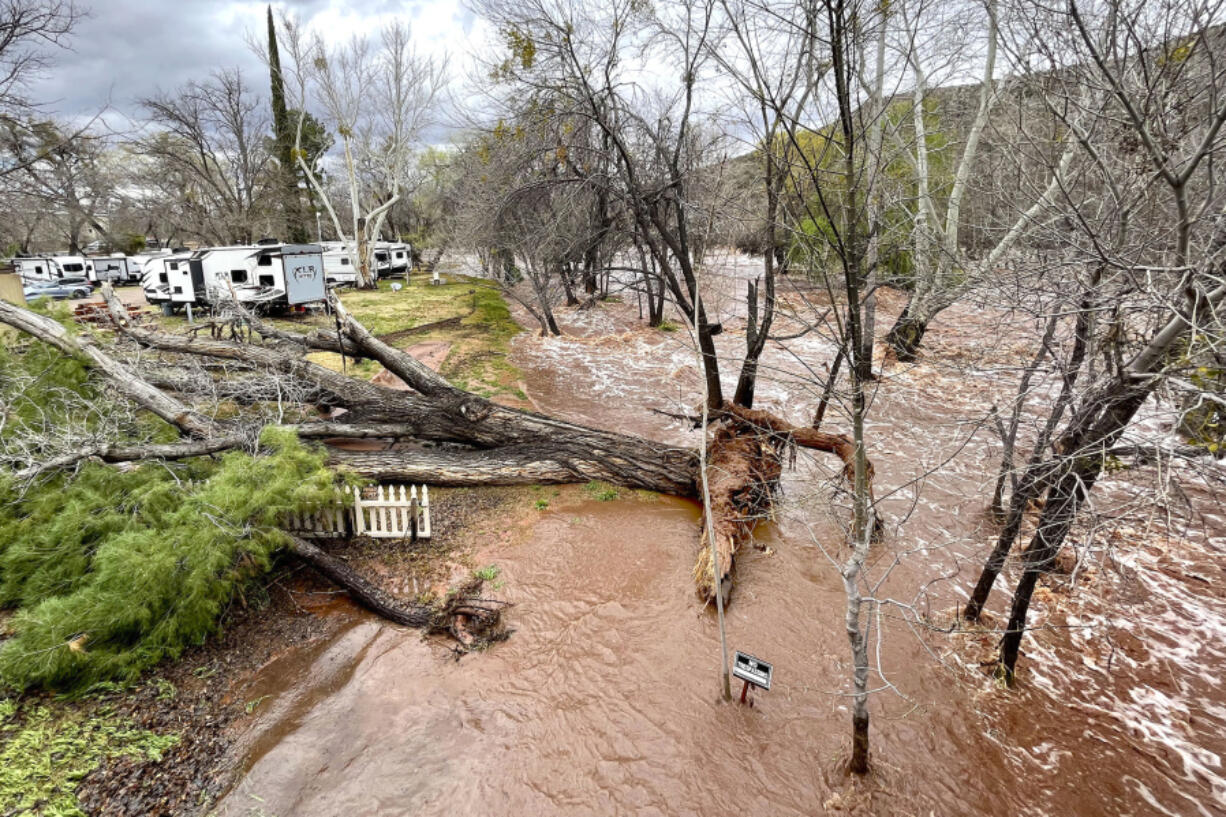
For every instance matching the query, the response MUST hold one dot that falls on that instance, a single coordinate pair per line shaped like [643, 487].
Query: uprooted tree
[464, 439]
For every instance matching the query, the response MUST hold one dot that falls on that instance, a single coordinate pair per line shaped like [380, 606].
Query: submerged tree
[1148, 244]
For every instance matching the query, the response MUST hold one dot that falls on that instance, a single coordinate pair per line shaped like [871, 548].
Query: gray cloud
[126, 50]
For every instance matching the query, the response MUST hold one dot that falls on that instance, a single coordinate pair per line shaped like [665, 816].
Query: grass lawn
[480, 330]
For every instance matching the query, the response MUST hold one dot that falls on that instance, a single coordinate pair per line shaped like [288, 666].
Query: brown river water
[605, 700]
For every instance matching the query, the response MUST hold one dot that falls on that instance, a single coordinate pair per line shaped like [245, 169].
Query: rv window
[266, 280]
[238, 276]
[38, 270]
[178, 290]
[344, 263]
[162, 278]
[265, 260]
[73, 268]
[173, 265]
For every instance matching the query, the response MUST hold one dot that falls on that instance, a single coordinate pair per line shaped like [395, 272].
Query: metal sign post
[752, 671]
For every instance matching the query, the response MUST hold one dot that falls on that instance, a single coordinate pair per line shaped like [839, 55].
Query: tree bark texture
[450, 437]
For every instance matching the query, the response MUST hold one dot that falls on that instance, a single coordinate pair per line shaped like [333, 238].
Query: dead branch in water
[470, 619]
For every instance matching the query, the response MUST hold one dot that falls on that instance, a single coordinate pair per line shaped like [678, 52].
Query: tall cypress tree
[283, 132]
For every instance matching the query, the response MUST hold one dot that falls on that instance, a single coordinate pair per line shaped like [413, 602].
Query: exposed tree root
[471, 620]
[464, 439]
[746, 461]
[742, 473]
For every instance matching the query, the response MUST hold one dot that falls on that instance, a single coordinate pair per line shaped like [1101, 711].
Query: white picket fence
[389, 515]
[324, 523]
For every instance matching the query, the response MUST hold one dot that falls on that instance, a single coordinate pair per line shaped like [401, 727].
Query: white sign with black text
[754, 670]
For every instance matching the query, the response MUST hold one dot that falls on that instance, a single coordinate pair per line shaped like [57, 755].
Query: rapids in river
[605, 700]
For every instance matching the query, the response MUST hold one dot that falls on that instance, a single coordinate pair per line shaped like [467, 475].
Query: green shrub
[113, 571]
[488, 573]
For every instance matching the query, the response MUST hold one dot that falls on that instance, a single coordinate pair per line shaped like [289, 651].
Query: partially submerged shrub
[601, 491]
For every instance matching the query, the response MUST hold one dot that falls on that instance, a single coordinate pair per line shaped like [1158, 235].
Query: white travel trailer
[401, 258]
[383, 259]
[114, 268]
[136, 263]
[250, 275]
[255, 276]
[390, 259]
[338, 268]
[49, 267]
[165, 279]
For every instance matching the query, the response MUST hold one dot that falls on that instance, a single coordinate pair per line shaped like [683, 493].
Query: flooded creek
[605, 699]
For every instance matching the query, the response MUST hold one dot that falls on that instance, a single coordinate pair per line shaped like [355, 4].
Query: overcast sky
[128, 49]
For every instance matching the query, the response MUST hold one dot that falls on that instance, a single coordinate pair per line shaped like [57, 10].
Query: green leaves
[44, 755]
[113, 571]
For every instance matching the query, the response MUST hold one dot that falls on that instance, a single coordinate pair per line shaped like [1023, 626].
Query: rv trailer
[338, 268]
[254, 276]
[162, 275]
[136, 263]
[49, 267]
[114, 268]
[402, 258]
[383, 259]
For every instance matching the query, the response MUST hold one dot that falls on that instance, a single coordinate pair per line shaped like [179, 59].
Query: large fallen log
[459, 438]
[522, 447]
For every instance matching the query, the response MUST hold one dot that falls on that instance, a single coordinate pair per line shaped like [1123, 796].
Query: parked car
[59, 289]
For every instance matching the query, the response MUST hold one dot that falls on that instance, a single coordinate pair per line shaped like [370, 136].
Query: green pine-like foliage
[112, 571]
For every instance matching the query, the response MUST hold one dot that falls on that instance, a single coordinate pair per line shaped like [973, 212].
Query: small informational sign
[752, 670]
[304, 273]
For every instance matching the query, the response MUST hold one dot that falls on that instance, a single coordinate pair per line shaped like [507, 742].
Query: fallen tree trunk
[409, 614]
[471, 619]
[520, 446]
[460, 439]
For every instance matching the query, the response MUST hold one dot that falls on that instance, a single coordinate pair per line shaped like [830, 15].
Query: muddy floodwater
[605, 699]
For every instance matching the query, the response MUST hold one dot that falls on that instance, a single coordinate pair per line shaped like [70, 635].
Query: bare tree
[27, 29]
[821, 77]
[73, 177]
[943, 270]
[576, 52]
[1149, 237]
[377, 98]
[210, 144]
